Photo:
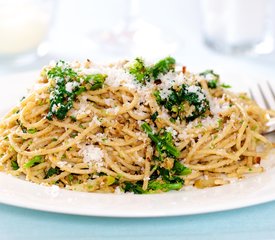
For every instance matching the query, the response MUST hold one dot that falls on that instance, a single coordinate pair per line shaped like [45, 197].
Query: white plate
[13, 191]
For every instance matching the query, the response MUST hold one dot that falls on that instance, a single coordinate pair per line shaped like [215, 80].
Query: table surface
[256, 222]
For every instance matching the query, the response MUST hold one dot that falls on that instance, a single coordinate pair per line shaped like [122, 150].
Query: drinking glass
[238, 26]
[24, 25]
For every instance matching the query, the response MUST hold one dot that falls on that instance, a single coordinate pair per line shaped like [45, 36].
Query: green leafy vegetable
[70, 178]
[213, 79]
[180, 169]
[154, 116]
[53, 171]
[162, 140]
[159, 100]
[14, 165]
[163, 186]
[212, 84]
[73, 118]
[162, 180]
[34, 161]
[223, 85]
[133, 187]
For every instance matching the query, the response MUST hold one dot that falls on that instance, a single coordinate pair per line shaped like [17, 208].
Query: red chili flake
[183, 69]
[157, 81]
[257, 160]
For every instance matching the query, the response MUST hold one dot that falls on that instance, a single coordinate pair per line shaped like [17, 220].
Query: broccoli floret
[180, 101]
[163, 66]
[52, 171]
[163, 141]
[144, 74]
[61, 100]
[140, 71]
[162, 180]
[97, 80]
[211, 77]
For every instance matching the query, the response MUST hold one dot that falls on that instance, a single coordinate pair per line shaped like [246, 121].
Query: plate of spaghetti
[132, 139]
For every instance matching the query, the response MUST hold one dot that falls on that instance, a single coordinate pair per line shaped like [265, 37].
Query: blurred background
[202, 33]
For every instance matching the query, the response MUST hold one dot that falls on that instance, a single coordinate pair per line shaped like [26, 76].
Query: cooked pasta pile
[132, 127]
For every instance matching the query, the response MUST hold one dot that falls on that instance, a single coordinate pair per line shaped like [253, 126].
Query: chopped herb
[14, 165]
[110, 180]
[219, 123]
[32, 130]
[53, 171]
[73, 118]
[40, 102]
[73, 134]
[54, 139]
[254, 128]
[172, 120]
[24, 129]
[70, 177]
[199, 125]
[22, 98]
[158, 98]
[6, 138]
[34, 161]
[80, 90]
[154, 116]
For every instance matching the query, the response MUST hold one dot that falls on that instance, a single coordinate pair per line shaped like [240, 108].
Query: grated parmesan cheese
[92, 155]
[95, 121]
[113, 110]
[61, 163]
[172, 131]
[118, 190]
[70, 86]
[216, 107]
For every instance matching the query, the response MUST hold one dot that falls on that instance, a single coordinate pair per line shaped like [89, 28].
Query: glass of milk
[238, 26]
[24, 25]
